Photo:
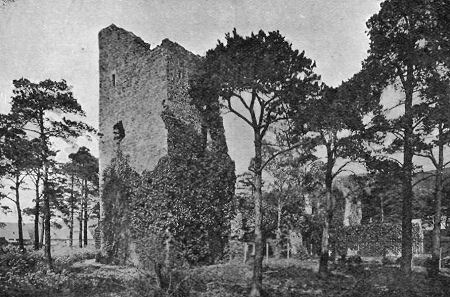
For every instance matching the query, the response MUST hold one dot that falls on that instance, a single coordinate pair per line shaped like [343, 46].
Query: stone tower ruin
[136, 84]
[148, 115]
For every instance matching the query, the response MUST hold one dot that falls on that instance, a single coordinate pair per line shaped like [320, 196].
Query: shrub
[179, 285]
[14, 261]
[72, 256]
[388, 260]
[354, 260]
[302, 253]
[26, 274]
[421, 260]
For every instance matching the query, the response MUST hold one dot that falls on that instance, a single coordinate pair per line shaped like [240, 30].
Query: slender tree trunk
[47, 214]
[41, 242]
[71, 211]
[80, 217]
[19, 214]
[80, 233]
[278, 244]
[435, 256]
[324, 253]
[85, 216]
[37, 211]
[408, 152]
[256, 289]
[381, 209]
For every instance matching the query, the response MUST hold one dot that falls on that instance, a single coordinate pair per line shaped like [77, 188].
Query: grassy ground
[281, 278]
[76, 274]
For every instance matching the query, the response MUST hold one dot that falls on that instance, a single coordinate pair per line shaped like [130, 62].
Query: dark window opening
[114, 80]
[119, 131]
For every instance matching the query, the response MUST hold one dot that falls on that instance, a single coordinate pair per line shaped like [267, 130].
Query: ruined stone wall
[135, 98]
[136, 84]
[352, 192]
[147, 91]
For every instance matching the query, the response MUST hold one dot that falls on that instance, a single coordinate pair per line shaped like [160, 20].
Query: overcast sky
[57, 39]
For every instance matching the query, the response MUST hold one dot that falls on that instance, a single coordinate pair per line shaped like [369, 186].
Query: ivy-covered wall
[188, 196]
[120, 181]
[168, 182]
[376, 239]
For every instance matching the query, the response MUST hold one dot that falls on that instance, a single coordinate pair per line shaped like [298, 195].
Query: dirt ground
[281, 278]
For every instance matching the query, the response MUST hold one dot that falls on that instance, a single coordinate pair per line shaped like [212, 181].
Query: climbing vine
[188, 196]
[119, 184]
[375, 239]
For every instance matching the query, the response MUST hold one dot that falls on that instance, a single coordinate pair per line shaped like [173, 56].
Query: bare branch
[429, 175]
[430, 157]
[340, 169]
[7, 197]
[230, 108]
[241, 99]
[279, 153]
[252, 106]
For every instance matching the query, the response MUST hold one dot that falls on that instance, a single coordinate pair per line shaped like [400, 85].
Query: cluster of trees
[267, 84]
[39, 116]
[264, 82]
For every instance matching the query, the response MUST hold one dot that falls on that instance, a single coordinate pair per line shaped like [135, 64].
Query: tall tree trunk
[435, 256]
[278, 234]
[381, 209]
[80, 233]
[324, 253]
[71, 211]
[37, 211]
[47, 214]
[41, 241]
[85, 216]
[256, 289]
[408, 152]
[46, 197]
[19, 214]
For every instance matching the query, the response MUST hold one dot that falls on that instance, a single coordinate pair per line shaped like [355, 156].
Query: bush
[16, 262]
[354, 260]
[25, 274]
[179, 285]
[388, 260]
[302, 253]
[445, 262]
[421, 260]
[72, 256]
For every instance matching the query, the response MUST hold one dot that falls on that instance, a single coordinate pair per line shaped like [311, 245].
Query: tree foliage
[257, 78]
[39, 107]
[406, 42]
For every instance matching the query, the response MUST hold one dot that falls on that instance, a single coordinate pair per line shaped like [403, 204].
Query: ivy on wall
[119, 184]
[181, 211]
[188, 196]
[375, 239]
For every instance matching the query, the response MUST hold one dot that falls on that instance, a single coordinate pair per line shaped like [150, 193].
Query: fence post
[245, 252]
[440, 258]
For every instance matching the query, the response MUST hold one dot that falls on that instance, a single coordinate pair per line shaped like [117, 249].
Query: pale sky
[58, 39]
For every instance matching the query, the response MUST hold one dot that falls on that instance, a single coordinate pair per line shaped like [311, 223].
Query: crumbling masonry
[136, 84]
[139, 87]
